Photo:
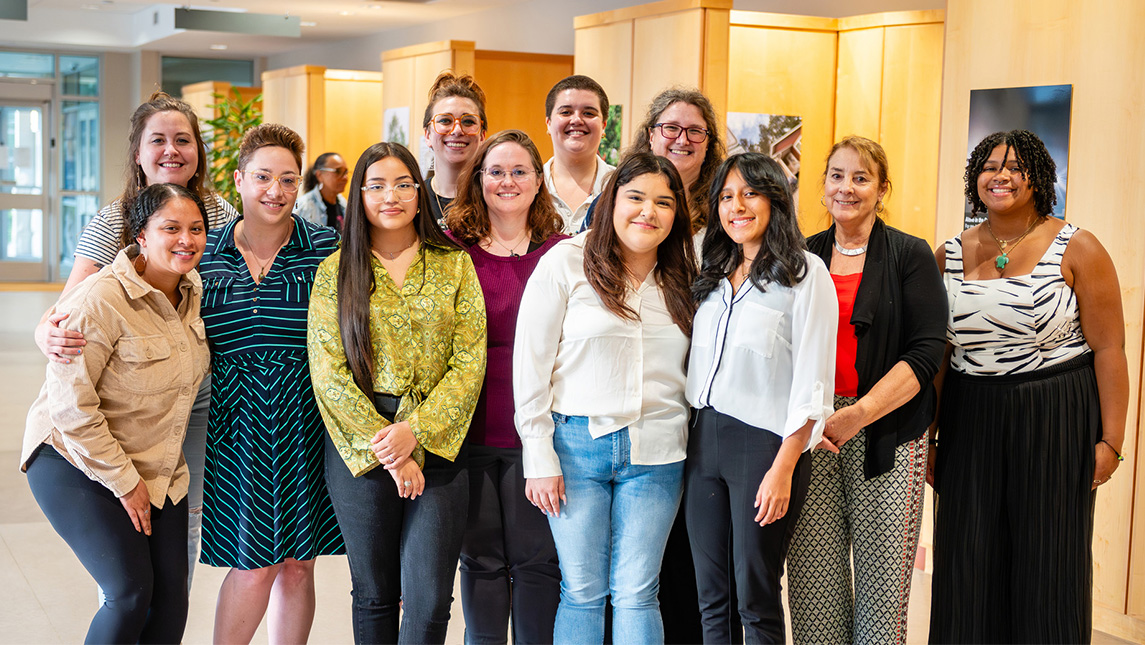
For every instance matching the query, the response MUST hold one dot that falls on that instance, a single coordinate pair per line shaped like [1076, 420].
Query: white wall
[542, 27]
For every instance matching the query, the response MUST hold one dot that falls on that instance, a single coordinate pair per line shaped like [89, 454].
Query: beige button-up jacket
[119, 411]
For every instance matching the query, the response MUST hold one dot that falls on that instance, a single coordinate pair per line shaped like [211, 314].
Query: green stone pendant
[1001, 261]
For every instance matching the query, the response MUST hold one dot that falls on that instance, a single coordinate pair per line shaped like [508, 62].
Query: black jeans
[400, 550]
[727, 460]
[508, 559]
[144, 578]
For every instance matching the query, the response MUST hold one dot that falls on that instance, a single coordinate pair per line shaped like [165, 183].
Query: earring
[879, 208]
[140, 263]
[823, 200]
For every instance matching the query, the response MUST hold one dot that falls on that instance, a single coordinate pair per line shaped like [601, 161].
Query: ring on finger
[407, 484]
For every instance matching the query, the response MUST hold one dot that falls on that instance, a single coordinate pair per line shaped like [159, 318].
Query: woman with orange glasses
[455, 126]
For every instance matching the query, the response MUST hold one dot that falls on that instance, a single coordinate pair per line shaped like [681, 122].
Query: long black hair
[781, 258]
[1033, 158]
[355, 268]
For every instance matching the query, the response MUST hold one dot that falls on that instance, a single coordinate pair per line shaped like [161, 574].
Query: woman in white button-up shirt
[598, 377]
[761, 378]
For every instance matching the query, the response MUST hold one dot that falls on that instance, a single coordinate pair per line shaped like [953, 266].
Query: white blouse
[574, 357]
[767, 358]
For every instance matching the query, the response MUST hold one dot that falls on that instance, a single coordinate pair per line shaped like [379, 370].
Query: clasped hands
[393, 445]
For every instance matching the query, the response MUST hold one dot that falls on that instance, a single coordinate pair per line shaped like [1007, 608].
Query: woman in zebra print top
[1033, 407]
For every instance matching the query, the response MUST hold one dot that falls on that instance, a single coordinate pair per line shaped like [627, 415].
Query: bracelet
[934, 441]
[1119, 457]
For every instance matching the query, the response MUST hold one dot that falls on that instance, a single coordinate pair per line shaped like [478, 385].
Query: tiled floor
[46, 595]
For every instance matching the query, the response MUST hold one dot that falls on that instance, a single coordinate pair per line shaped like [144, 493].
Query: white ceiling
[139, 24]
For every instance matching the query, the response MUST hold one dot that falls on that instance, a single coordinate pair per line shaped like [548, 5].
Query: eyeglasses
[341, 172]
[403, 192]
[672, 131]
[444, 123]
[516, 174]
[289, 183]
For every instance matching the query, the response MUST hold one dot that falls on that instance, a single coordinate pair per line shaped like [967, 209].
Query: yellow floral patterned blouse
[429, 348]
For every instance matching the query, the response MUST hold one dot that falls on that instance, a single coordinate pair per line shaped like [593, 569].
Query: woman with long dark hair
[760, 377]
[1033, 406]
[396, 339]
[598, 378]
[505, 219]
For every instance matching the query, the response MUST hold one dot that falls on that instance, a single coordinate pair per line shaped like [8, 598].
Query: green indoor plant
[234, 117]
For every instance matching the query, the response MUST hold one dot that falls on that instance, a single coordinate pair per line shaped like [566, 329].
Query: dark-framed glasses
[516, 174]
[405, 191]
[444, 123]
[672, 131]
[288, 182]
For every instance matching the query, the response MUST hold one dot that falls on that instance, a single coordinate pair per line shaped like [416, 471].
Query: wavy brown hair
[135, 180]
[713, 154]
[468, 215]
[448, 84]
[355, 268]
[675, 257]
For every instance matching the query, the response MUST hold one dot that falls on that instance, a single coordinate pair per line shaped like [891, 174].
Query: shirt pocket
[757, 329]
[297, 286]
[140, 362]
[218, 292]
[704, 326]
[202, 351]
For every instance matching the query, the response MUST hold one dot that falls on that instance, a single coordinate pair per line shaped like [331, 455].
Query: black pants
[508, 559]
[400, 550]
[144, 578]
[727, 460]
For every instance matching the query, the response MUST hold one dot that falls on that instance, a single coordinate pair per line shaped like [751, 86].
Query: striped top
[1015, 324]
[102, 237]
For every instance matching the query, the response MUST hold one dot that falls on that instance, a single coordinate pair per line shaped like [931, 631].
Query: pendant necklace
[1004, 258]
[393, 255]
[437, 198]
[512, 250]
[850, 252]
[264, 265]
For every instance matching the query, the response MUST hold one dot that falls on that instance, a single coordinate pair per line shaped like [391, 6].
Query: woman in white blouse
[598, 376]
[761, 378]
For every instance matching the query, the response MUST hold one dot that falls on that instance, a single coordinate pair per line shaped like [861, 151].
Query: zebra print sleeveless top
[1015, 324]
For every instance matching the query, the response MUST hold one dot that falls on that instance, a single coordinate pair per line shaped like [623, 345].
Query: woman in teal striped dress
[266, 514]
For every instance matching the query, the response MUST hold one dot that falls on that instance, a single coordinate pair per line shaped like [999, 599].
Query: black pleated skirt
[1014, 515]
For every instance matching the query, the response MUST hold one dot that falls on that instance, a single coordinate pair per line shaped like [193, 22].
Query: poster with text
[1043, 110]
[780, 136]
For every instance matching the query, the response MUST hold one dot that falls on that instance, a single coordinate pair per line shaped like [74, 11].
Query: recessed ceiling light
[308, 23]
[219, 48]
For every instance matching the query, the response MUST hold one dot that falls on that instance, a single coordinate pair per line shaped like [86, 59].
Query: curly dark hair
[152, 199]
[468, 216]
[675, 257]
[781, 259]
[1034, 160]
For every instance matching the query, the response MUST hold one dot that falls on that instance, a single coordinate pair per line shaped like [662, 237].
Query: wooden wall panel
[662, 43]
[1096, 46]
[515, 87]
[784, 71]
[859, 83]
[604, 52]
[296, 98]
[353, 114]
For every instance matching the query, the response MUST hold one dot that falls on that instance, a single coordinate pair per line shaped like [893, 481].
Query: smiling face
[643, 215]
[508, 197]
[688, 157]
[851, 189]
[269, 204]
[167, 152]
[453, 148]
[576, 123]
[744, 213]
[173, 240]
[389, 217]
[1002, 184]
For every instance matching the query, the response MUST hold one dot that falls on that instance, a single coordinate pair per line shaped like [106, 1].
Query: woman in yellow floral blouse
[397, 356]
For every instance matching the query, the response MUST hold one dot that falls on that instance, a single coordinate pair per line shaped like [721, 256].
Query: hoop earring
[140, 263]
[823, 200]
[879, 208]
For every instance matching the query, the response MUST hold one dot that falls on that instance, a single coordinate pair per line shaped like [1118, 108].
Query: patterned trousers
[874, 522]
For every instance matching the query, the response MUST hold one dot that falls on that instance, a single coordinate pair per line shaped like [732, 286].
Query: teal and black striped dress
[265, 497]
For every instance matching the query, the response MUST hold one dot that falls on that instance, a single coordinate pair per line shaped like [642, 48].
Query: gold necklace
[269, 261]
[393, 255]
[511, 249]
[1002, 260]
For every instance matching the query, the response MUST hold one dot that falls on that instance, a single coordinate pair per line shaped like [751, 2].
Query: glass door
[23, 190]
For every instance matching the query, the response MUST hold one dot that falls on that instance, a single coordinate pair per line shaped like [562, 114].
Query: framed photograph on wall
[1042, 109]
[780, 136]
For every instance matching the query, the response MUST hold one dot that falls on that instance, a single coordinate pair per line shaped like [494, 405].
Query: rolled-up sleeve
[814, 327]
[539, 329]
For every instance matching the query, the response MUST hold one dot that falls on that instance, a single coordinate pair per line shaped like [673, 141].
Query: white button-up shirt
[574, 357]
[574, 218]
[767, 358]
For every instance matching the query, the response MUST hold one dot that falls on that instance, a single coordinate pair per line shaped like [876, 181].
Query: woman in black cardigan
[866, 490]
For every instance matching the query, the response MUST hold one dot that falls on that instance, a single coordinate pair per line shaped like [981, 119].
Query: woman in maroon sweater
[504, 217]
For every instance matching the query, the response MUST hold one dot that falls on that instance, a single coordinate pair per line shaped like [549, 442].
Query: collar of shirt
[299, 238]
[566, 211]
[123, 268]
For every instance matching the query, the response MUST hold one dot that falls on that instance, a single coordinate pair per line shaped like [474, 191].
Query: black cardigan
[900, 315]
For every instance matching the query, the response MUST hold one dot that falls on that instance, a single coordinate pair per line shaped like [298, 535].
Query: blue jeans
[610, 535]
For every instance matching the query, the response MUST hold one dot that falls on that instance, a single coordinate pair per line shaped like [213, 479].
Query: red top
[846, 377]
